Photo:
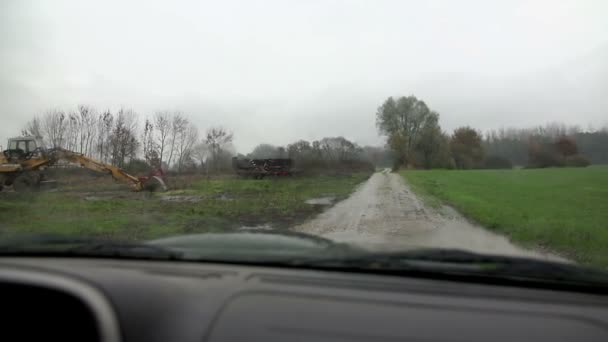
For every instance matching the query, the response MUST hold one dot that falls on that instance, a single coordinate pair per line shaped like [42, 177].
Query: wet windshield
[287, 130]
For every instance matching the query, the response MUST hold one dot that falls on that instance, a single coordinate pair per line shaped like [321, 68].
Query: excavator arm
[92, 164]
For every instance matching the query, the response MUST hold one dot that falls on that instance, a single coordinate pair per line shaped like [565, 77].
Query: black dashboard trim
[351, 299]
[96, 301]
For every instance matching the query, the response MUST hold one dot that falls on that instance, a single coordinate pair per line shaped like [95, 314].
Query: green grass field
[206, 205]
[564, 210]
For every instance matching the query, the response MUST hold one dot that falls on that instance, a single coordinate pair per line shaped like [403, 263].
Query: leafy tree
[300, 149]
[432, 147]
[402, 121]
[338, 148]
[466, 148]
[566, 146]
[264, 151]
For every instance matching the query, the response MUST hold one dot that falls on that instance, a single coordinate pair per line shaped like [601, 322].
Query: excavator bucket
[153, 184]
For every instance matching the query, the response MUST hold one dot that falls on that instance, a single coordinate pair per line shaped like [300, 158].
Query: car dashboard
[133, 300]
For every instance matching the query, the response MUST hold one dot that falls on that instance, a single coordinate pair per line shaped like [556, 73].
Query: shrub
[497, 162]
[544, 158]
[137, 167]
[577, 161]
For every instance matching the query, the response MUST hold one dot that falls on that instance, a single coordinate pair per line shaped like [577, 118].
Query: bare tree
[200, 152]
[73, 126]
[84, 120]
[162, 124]
[178, 125]
[123, 141]
[53, 127]
[105, 122]
[338, 148]
[33, 127]
[186, 139]
[150, 148]
[300, 149]
[217, 139]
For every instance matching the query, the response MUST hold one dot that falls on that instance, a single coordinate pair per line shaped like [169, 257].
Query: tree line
[326, 154]
[166, 139]
[172, 141]
[414, 139]
[417, 140]
[543, 145]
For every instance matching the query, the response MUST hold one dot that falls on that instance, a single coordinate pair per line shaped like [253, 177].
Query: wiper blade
[124, 249]
[459, 263]
[54, 245]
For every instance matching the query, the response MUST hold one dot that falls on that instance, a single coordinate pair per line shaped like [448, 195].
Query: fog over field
[278, 71]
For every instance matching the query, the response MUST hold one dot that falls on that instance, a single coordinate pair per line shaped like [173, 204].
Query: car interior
[109, 300]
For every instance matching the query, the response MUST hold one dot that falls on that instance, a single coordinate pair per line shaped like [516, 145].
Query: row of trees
[327, 154]
[522, 145]
[414, 134]
[331, 148]
[167, 138]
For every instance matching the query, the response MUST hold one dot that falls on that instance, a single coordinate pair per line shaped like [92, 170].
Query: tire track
[384, 214]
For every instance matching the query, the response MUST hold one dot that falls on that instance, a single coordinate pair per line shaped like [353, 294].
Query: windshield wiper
[53, 245]
[463, 265]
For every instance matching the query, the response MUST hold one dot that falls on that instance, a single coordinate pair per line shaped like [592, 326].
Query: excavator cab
[22, 148]
[21, 163]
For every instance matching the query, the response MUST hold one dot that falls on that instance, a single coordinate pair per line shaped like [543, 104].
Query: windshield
[274, 130]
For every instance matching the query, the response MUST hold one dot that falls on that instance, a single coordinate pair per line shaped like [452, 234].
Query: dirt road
[384, 214]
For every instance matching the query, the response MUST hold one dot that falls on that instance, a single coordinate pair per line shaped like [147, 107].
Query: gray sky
[277, 71]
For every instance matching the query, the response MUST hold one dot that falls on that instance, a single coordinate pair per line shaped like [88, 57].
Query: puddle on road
[258, 227]
[329, 200]
[181, 198]
[223, 197]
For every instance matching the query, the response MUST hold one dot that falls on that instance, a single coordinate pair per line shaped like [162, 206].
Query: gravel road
[384, 214]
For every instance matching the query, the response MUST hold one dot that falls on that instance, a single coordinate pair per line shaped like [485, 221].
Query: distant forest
[415, 136]
[514, 144]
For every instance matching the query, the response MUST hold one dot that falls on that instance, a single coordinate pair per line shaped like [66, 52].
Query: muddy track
[384, 214]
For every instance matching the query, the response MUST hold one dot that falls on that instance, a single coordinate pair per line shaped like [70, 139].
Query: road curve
[384, 214]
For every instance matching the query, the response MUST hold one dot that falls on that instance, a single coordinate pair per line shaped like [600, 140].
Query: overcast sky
[277, 71]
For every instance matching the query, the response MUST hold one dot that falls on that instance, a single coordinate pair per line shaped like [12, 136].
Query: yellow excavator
[23, 164]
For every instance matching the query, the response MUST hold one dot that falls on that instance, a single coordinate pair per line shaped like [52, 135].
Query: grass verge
[564, 210]
[206, 205]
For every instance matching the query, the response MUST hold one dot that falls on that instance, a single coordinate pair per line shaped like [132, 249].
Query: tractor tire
[24, 183]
